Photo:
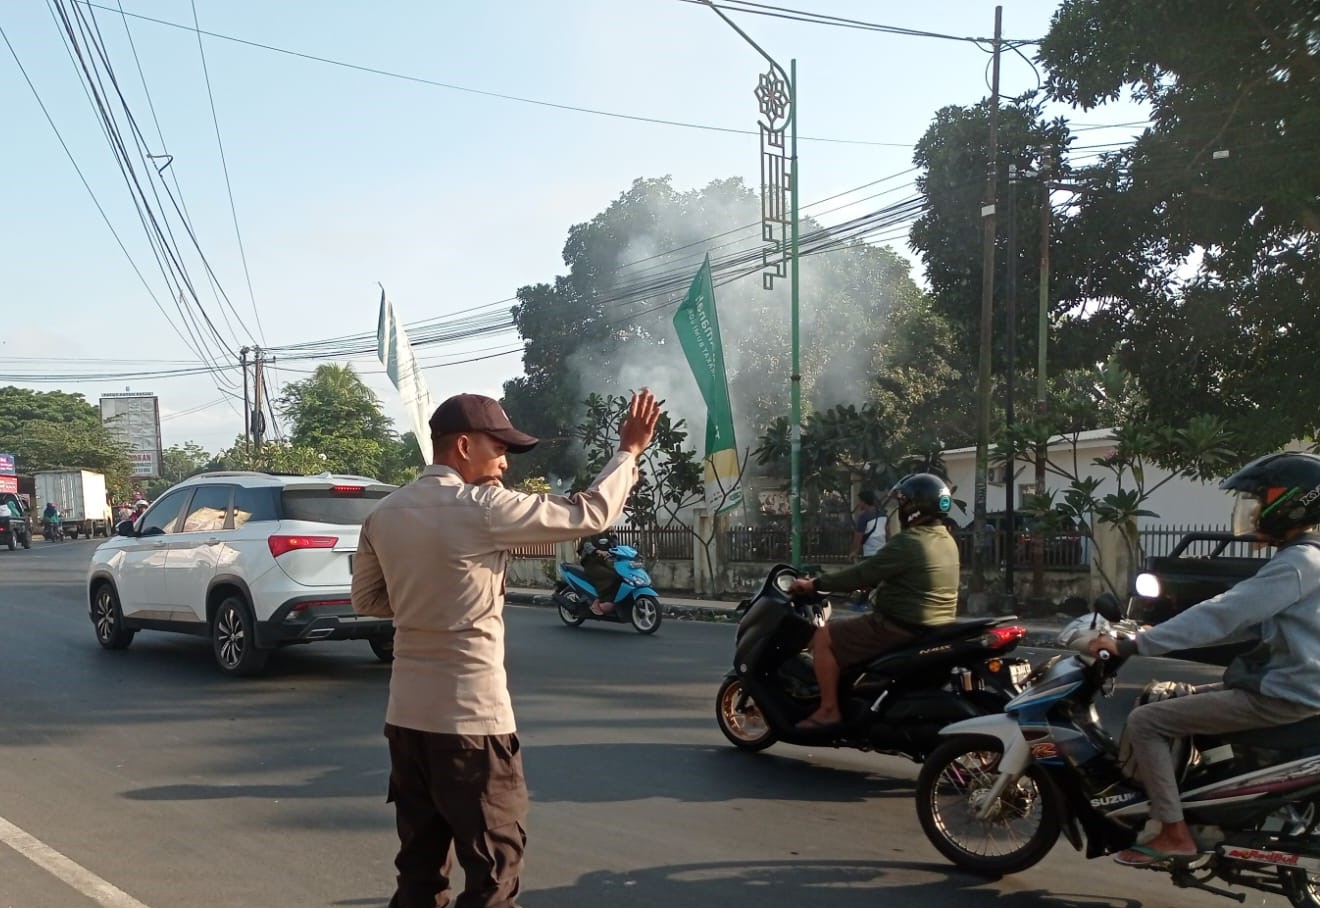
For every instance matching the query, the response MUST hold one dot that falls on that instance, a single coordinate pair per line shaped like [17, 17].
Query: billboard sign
[7, 465]
[9, 484]
[134, 420]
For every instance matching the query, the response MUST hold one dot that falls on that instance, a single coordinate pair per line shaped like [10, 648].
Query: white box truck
[80, 497]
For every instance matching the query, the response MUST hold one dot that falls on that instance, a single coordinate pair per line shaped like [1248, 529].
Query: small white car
[254, 561]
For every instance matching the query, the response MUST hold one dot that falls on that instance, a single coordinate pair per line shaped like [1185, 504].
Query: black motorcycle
[896, 703]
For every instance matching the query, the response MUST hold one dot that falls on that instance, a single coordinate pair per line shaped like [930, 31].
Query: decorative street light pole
[776, 95]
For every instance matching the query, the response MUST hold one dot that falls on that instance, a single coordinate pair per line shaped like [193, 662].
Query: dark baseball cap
[477, 413]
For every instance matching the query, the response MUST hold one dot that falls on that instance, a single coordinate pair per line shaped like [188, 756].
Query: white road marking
[67, 871]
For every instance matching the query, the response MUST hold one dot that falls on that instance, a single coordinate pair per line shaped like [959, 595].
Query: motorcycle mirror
[1108, 607]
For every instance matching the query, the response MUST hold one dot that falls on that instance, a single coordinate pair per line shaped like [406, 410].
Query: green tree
[47, 430]
[273, 457]
[336, 417]
[1204, 234]
[607, 322]
[178, 462]
[669, 472]
[954, 158]
[1203, 448]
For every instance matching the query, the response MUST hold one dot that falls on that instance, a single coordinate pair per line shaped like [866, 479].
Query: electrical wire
[795, 15]
[435, 83]
[478, 320]
[164, 249]
[224, 166]
[83, 179]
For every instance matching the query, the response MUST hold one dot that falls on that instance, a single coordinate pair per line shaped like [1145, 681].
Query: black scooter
[896, 703]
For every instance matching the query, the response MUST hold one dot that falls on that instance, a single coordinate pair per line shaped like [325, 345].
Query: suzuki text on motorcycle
[896, 703]
[996, 795]
[635, 602]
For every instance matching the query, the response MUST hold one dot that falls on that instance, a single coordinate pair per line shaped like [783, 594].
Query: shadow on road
[818, 884]
[602, 773]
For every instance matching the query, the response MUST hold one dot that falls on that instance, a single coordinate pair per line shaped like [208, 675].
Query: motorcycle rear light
[1003, 637]
[282, 544]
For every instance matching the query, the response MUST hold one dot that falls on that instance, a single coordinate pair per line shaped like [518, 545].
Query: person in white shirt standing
[869, 531]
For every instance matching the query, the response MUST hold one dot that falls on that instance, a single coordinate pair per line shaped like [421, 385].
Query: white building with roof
[1180, 502]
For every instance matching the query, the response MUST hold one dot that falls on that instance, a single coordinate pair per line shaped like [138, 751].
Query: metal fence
[1063, 551]
[1161, 541]
[656, 544]
[829, 545]
[820, 545]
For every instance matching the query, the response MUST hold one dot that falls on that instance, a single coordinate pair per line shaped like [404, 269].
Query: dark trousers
[603, 577]
[464, 791]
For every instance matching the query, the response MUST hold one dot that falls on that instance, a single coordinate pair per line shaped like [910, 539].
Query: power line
[167, 256]
[82, 177]
[796, 15]
[435, 83]
[224, 166]
[476, 320]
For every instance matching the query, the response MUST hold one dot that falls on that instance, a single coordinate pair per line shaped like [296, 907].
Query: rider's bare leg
[827, 677]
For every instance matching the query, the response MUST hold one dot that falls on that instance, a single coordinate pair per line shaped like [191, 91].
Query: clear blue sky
[343, 178]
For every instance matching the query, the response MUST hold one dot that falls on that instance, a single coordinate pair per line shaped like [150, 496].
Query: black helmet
[1276, 493]
[923, 494]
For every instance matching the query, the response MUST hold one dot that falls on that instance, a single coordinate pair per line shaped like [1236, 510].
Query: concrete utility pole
[987, 325]
[258, 396]
[1010, 373]
[247, 405]
[1042, 386]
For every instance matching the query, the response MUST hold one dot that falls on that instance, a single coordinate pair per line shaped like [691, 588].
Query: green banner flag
[698, 329]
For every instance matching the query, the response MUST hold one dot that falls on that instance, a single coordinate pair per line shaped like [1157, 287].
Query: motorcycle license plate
[1020, 672]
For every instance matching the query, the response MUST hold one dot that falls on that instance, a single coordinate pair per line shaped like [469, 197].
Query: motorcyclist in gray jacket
[1278, 501]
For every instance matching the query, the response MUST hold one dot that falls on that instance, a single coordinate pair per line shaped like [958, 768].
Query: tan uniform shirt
[432, 556]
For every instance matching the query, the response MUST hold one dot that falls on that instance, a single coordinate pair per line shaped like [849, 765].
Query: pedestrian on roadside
[869, 529]
[432, 556]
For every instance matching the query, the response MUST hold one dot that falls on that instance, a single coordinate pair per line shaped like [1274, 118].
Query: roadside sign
[7, 465]
[9, 484]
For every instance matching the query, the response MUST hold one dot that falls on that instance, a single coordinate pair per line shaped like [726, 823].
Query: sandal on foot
[1145, 856]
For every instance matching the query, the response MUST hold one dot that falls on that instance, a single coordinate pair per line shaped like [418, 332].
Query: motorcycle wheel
[645, 615]
[566, 614]
[740, 718]
[954, 782]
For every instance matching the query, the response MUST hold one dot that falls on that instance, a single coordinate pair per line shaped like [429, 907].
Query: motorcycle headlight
[1148, 585]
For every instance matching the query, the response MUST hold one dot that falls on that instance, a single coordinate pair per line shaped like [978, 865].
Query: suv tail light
[1003, 637]
[348, 491]
[281, 544]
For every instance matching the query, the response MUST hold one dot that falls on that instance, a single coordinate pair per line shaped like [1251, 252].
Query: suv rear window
[329, 506]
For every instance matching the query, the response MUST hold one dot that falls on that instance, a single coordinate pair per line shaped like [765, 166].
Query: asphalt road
[147, 774]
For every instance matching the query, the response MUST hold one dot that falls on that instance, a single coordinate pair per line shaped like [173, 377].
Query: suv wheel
[108, 619]
[234, 639]
[383, 647]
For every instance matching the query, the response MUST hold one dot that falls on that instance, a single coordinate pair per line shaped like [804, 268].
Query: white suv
[254, 561]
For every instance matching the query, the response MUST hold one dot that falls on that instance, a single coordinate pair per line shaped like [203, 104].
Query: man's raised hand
[639, 427]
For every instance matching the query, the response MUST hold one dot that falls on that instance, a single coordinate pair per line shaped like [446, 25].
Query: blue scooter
[635, 602]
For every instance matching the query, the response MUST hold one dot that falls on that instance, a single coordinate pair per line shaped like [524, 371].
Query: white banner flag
[397, 356]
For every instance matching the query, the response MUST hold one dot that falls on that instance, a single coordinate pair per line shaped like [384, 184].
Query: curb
[1039, 633]
[677, 611]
